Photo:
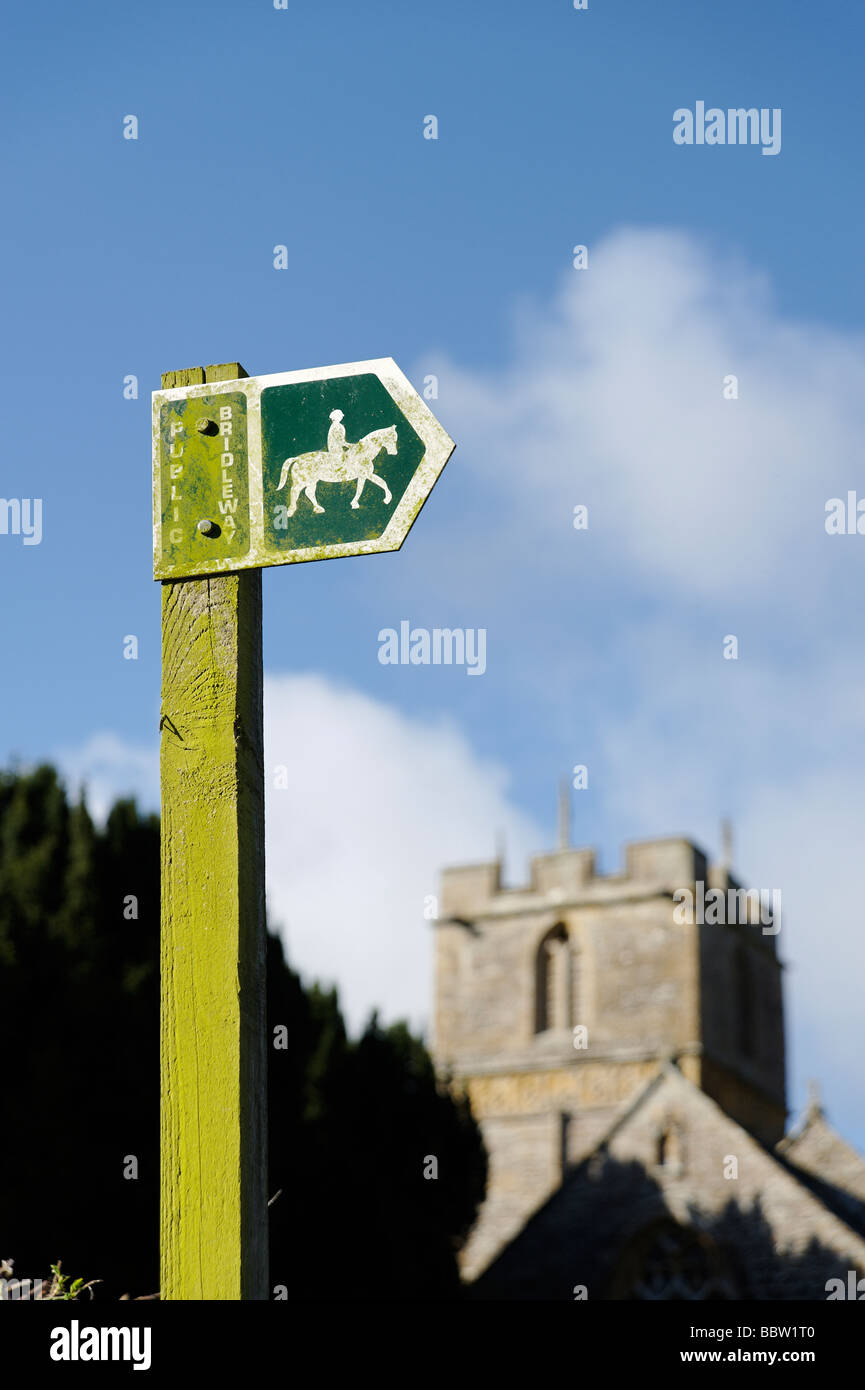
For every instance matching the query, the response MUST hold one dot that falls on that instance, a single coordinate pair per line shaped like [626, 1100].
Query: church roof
[827, 1164]
[674, 1156]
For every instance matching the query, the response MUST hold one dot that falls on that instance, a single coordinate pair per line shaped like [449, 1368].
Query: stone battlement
[652, 868]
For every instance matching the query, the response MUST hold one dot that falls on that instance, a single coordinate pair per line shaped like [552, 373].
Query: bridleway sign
[306, 465]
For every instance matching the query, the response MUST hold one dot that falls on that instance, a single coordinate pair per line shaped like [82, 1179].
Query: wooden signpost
[247, 472]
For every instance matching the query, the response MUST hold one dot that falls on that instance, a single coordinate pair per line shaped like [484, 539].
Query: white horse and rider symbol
[340, 462]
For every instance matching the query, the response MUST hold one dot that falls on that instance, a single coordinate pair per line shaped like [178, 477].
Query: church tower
[556, 1003]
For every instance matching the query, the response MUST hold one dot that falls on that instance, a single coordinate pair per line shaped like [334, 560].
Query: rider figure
[336, 444]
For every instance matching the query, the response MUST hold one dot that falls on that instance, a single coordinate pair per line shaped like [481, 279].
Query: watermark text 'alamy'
[732, 127]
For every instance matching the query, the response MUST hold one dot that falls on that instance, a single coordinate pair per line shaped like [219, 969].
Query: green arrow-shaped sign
[306, 465]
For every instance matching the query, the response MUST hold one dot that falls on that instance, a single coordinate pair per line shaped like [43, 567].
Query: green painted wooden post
[213, 1218]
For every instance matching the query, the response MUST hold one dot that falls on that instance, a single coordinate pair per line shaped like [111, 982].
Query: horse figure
[357, 461]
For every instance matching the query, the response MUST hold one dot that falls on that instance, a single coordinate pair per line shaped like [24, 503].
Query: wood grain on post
[213, 1207]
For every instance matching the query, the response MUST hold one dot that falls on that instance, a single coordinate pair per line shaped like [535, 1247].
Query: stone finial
[564, 814]
[815, 1103]
[500, 848]
[726, 844]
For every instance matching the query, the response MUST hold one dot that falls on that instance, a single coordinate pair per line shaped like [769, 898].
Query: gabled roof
[788, 1235]
[827, 1164]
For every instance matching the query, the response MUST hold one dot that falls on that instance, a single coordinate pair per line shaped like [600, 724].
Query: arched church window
[575, 995]
[669, 1149]
[553, 981]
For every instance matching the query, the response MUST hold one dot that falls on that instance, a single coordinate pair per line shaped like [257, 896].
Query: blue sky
[304, 127]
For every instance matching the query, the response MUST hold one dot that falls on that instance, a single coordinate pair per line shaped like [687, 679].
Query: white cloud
[377, 803]
[613, 397]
